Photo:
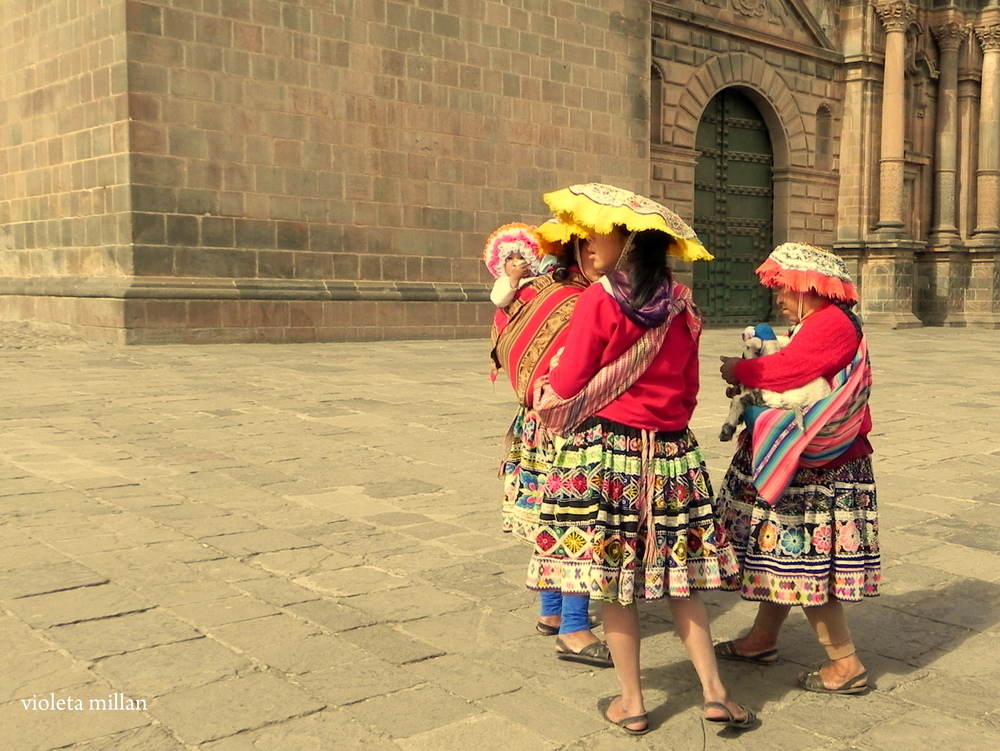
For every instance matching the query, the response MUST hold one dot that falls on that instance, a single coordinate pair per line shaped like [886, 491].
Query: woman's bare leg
[763, 635]
[691, 621]
[829, 622]
[621, 631]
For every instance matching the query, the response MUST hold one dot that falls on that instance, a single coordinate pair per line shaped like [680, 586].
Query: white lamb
[758, 341]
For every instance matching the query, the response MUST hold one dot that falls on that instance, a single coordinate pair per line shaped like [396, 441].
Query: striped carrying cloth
[830, 426]
[532, 328]
[562, 416]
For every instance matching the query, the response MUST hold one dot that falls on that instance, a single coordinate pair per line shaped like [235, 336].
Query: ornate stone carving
[950, 36]
[752, 8]
[921, 69]
[774, 11]
[827, 15]
[895, 15]
[989, 37]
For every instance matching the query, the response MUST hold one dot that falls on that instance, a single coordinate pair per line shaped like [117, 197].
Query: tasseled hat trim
[555, 236]
[509, 239]
[804, 268]
[599, 208]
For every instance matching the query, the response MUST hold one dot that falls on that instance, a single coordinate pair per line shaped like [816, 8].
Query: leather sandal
[730, 719]
[597, 654]
[814, 682]
[727, 651]
[603, 705]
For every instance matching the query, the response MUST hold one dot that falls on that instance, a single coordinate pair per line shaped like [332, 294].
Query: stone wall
[64, 195]
[330, 169]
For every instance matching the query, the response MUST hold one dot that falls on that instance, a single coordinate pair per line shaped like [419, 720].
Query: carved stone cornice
[895, 15]
[989, 37]
[949, 36]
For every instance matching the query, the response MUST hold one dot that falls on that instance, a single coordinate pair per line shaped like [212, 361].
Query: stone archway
[769, 93]
[777, 105]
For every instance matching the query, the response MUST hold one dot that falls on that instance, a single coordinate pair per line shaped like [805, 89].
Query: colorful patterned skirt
[593, 536]
[525, 471]
[819, 540]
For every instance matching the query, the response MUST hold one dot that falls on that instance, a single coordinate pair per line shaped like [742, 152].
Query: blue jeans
[572, 608]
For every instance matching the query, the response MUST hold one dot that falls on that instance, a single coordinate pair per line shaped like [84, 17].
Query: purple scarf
[650, 315]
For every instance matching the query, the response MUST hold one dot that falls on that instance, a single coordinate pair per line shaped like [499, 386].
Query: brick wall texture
[357, 140]
[371, 140]
[64, 165]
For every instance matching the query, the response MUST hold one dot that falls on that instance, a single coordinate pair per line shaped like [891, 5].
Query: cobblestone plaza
[290, 548]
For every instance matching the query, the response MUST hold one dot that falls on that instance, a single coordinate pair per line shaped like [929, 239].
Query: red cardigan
[663, 398]
[824, 345]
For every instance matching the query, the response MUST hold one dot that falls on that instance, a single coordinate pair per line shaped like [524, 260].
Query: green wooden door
[733, 207]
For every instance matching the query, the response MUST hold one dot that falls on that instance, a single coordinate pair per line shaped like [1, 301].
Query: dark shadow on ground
[897, 636]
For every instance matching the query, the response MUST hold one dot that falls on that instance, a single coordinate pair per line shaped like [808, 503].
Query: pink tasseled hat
[509, 239]
[802, 268]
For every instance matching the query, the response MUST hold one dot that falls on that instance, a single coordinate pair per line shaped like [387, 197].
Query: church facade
[317, 170]
[867, 127]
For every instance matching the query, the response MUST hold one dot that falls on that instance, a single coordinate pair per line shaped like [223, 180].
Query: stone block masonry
[256, 170]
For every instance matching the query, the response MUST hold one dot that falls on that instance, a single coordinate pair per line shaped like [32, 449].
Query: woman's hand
[728, 369]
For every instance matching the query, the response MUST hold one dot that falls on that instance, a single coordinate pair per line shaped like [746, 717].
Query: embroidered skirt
[524, 471]
[593, 527]
[819, 540]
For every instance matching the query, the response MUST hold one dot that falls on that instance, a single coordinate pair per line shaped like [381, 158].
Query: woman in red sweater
[816, 543]
[627, 508]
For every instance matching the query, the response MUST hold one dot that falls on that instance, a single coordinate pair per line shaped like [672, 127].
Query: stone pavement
[297, 547]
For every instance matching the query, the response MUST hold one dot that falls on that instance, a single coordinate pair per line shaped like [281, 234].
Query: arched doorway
[733, 209]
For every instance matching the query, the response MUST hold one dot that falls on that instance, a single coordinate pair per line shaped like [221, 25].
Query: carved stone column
[949, 39]
[982, 298]
[887, 268]
[896, 16]
[945, 271]
[988, 174]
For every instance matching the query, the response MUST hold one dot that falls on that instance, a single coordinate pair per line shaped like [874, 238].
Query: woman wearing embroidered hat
[798, 503]
[626, 512]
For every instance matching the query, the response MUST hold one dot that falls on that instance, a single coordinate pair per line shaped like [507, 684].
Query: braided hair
[846, 307]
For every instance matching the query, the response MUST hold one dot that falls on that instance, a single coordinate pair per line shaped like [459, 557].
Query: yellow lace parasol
[555, 235]
[595, 207]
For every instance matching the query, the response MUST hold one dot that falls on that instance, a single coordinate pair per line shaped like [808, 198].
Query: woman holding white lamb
[798, 502]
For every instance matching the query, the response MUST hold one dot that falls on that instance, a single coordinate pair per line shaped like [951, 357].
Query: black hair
[648, 267]
[560, 272]
[852, 316]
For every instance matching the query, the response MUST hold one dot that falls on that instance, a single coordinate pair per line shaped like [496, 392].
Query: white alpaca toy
[758, 341]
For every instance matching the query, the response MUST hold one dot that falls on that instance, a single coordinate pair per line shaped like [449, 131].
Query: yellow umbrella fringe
[571, 209]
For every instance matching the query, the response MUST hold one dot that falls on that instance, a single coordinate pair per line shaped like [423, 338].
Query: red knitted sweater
[824, 345]
[663, 398]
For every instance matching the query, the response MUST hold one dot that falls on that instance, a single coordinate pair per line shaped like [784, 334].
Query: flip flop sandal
[730, 719]
[604, 704]
[727, 651]
[597, 654]
[814, 682]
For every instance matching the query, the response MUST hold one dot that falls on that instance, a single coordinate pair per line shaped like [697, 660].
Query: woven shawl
[830, 426]
[563, 416]
[532, 328]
